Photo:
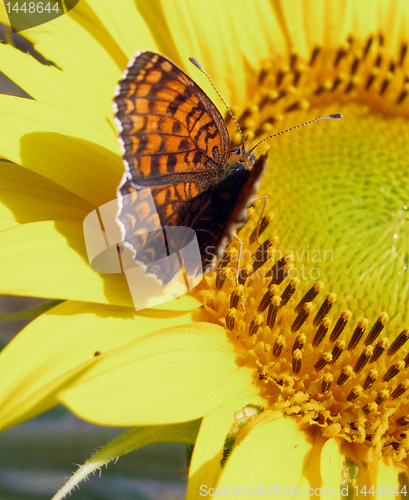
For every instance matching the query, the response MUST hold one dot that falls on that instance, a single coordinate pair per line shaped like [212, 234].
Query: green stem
[131, 440]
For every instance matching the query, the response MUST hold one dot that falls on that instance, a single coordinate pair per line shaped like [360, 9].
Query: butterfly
[176, 144]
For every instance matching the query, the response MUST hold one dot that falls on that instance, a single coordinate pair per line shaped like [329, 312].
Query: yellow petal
[61, 343]
[293, 20]
[156, 18]
[203, 30]
[312, 476]
[52, 263]
[392, 21]
[272, 453]
[329, 23]
[27, 197]
[6, 223]
[175, 375]
[3, 15]
[185, 302]
[61, 147]
[332, 466]
[50, 85]
[388, 478]
[378, 480]
[67, 82]
[126, 26]
[205, 465]
[253, 26]
[85, 17]
[319, 23]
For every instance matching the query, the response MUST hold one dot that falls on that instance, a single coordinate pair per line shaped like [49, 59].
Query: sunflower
[297, 388]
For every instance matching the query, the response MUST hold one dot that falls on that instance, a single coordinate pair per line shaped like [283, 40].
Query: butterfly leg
[240, 242]
[263, 219]
[237, 276]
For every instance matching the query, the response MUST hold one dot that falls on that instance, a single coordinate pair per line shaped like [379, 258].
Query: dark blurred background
[37, 457]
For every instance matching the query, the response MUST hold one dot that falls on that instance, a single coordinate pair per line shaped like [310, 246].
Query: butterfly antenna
[336, 115]
[193, 61]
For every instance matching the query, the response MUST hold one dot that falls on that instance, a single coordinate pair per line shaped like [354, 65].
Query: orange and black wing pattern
[175, 142]
[170, 131]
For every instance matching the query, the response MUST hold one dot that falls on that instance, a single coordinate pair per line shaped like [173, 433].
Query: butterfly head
[242, 152]
[243, 155]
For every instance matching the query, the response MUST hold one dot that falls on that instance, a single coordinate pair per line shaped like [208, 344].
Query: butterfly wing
[175, 142]
[170, 130]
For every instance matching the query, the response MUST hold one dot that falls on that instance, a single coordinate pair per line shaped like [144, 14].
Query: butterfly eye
[236, 151]
[253, 158]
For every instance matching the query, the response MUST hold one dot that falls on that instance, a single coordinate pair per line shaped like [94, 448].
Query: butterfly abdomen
[216, 217]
